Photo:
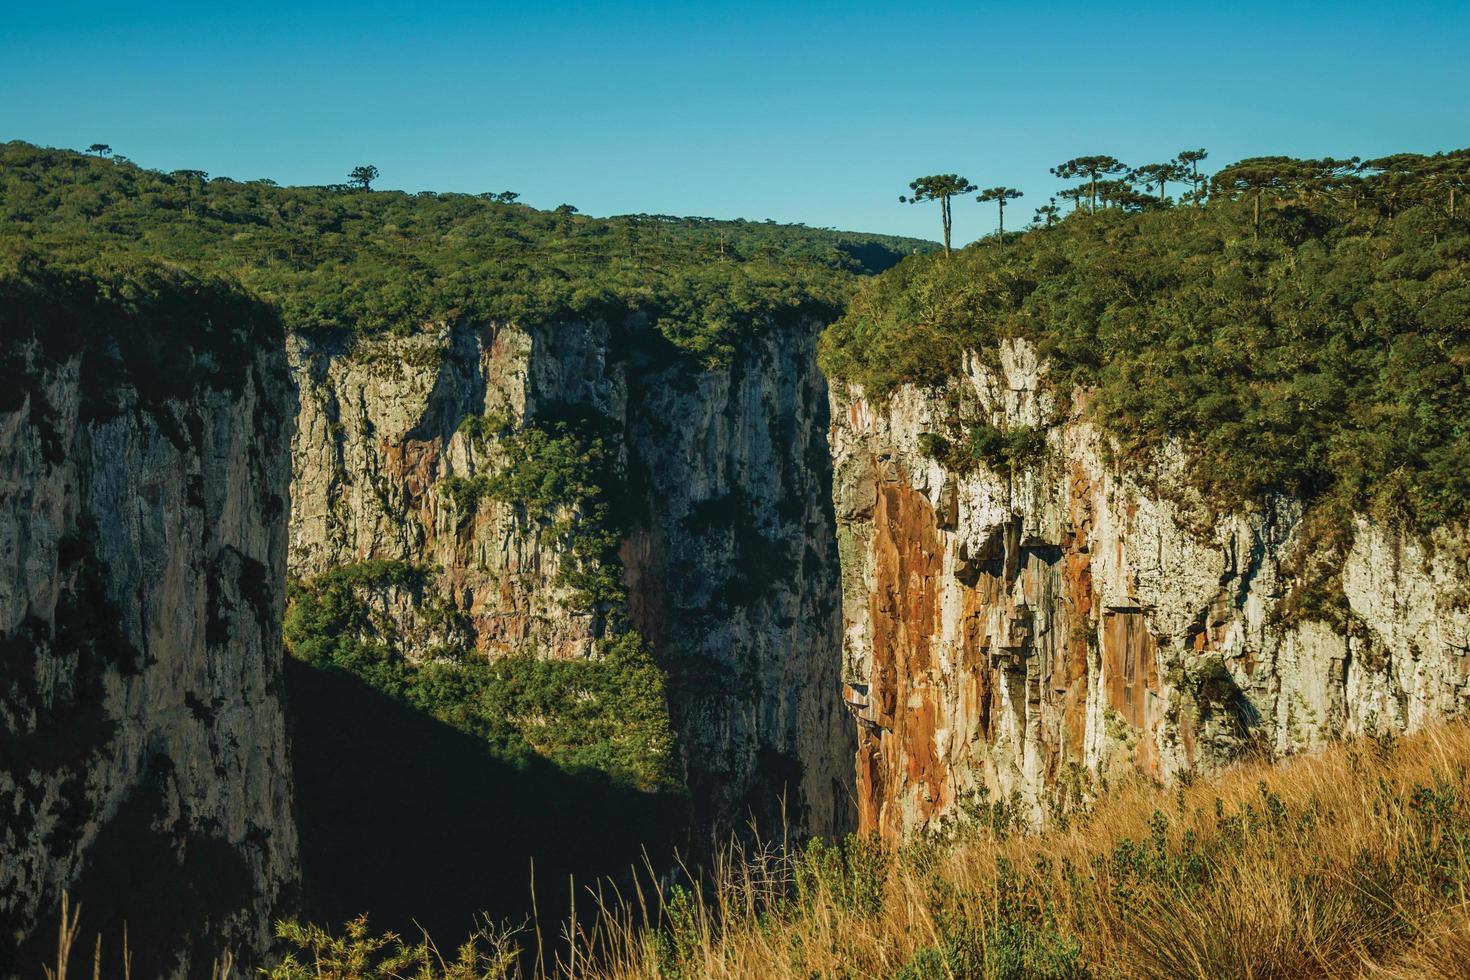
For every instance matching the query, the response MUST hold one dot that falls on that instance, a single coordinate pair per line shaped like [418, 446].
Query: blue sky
[813, 112]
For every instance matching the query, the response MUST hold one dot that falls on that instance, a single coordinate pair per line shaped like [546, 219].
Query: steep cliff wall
[732, 575]
[382, 427]
[143, 483]
[707, 529]
[1036, 619]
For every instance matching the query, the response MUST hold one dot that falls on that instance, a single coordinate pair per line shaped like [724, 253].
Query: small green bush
[1004, 450]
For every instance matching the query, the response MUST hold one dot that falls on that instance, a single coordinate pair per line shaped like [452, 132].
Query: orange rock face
[996, 645]
[1031, 628]
[963, 682]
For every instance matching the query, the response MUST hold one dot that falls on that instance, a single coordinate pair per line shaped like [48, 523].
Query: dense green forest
[605, 715]
[1301, 326]
[388, 261]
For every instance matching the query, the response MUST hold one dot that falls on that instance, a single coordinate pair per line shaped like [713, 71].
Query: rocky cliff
[144, 428]
[732, 575]
[1024, 617]
[702, 520]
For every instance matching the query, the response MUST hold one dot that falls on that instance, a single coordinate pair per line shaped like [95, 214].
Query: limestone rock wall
[723, 503]
[733, 577]
[379, 433]
[143, 756]
[1036, 625]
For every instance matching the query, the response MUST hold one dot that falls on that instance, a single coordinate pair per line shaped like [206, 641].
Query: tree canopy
[372, 261]
[1094, 168]
[363, 177]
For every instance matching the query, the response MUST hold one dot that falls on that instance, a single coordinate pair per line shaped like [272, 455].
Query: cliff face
[1036, 623]
[719, 505]
[143, 762]
[733, 578]
[379, 433]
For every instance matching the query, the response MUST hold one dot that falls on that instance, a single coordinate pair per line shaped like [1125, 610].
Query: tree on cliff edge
[938, 187]
[362, 177]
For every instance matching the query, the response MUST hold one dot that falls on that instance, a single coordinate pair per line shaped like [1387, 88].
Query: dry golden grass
[1351, 863]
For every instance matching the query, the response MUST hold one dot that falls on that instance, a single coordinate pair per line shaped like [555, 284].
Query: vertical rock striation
[722, 507]
[733, 578]
[1027, 624]
[381, 429]
[143, 760]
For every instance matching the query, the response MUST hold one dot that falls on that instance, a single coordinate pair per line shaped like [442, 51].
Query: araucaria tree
[1047, 214]
[1160, 174]
[1191, 159]
[1285, 177]
[101, 149]
[1000, 195]
[938, 187]
[363, 177]
[1093, 168]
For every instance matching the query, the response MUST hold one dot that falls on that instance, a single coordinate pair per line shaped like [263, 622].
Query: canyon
[1025, 631]
[726, 547]
[820, 580]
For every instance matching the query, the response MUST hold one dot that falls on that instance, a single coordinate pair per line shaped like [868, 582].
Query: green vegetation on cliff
[561, 475]
[1306, 330]
[603, 716]
[388, 260]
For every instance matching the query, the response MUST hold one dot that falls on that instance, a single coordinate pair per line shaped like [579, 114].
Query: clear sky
[812, 112]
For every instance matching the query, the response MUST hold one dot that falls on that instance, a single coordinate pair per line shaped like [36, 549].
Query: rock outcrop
[1027, 625]
[718, 502]
[143, 756]
[382, 427]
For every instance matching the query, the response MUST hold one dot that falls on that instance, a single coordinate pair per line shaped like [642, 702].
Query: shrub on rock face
[560, 475]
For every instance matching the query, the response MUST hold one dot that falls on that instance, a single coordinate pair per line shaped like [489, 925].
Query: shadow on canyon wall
[417, 824]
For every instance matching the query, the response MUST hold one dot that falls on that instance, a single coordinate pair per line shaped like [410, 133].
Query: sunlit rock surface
[722, 502]
[1033, 631]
